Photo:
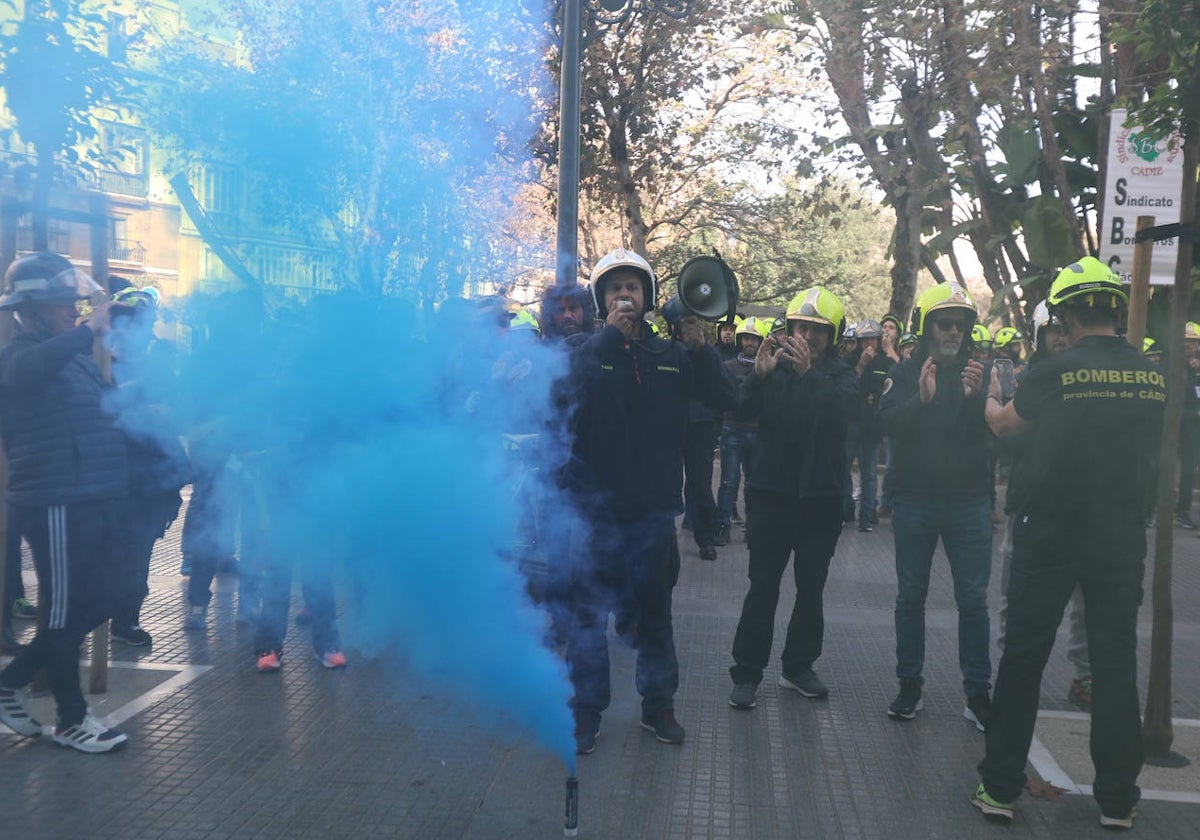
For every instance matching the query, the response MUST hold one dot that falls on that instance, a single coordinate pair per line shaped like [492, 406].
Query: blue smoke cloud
[373, 434]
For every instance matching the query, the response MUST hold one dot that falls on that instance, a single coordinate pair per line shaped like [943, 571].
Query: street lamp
[603, 13]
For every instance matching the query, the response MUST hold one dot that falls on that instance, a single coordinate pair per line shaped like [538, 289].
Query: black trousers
[144, 520]
[699, 443]
[209, 528]
[75, 547]
[627, 566]
[1105, 557]
[780, 528]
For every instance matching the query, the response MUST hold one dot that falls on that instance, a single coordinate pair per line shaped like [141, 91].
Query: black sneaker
[722, 537]
[979, 710]
[1184, 520]
[133, 636]
[708, 552]
[864, 527]
[743, 696]
[908, 701]
[806, 684]
[664, 726]
[587, 730]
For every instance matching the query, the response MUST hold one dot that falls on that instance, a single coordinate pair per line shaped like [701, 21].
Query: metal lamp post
[604, 13]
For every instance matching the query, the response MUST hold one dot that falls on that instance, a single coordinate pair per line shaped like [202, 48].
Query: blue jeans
[885, 493]
[965, 528]
[737, 452]
[868, 462]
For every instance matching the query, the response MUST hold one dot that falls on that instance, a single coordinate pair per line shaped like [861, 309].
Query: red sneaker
[331, 658]
[269, 660]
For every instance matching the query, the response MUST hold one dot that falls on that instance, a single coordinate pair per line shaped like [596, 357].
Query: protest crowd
[814, 423]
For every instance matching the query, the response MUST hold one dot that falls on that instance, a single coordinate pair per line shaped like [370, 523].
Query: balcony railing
[126, 250]
[74, 177]
[120, 183]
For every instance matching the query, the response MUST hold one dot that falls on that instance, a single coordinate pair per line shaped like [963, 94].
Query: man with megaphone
[630, 392]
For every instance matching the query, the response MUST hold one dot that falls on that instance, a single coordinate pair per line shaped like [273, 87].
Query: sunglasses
[947, 324]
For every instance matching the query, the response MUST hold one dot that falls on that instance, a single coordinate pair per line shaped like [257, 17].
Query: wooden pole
[1157, 731]
[1139, 287]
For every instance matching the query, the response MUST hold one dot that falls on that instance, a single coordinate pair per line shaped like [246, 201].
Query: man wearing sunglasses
[932, 407]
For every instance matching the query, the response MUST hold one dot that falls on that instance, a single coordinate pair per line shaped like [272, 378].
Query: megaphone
[707, 289]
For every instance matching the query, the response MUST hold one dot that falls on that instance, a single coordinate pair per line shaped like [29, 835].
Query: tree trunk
[631, 199]
[844, 67]
[904, 268]
[1157, 730]
[965, 109]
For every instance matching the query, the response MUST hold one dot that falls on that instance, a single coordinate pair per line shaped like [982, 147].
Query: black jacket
[738, 369]
[630, 410]
[800, 445]
[1095, 421]
[870, 386]
[62, 447]
[940, 449]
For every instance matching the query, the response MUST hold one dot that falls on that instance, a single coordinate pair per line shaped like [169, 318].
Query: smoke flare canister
[571, 826]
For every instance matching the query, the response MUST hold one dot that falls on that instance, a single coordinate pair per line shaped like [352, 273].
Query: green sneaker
[990, 807]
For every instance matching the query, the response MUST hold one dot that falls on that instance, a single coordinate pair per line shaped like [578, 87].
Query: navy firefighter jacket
[630, 404]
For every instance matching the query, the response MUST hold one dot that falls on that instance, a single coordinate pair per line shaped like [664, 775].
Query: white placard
[1145, 178]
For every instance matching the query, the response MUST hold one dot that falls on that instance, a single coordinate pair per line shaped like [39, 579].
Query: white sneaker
[89, 736]
[1119, 822]
[14, 713]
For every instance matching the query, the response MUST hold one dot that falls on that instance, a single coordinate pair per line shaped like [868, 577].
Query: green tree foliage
[672, 107]
[808, 233]
[967, 119]
[1164, 36]
[693, 140]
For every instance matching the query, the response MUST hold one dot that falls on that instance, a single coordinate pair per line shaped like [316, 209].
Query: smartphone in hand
[1003, 370]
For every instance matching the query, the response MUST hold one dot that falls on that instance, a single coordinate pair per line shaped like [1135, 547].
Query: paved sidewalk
[219, 751]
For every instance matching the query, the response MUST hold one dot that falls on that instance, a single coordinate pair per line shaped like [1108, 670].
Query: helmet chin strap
[32, 322]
